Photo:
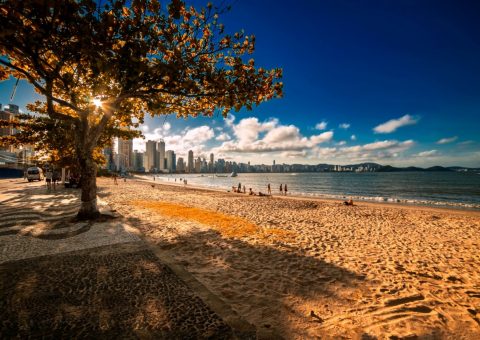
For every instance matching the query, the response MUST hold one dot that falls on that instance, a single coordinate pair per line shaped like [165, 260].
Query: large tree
[98, 62]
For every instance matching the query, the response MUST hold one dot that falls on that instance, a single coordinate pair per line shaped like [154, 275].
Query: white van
[34, 173]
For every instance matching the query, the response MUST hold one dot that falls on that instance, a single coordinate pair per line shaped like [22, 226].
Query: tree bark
[88, 171]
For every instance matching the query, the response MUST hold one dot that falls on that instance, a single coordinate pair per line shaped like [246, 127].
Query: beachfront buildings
[150, 157]
[8, 113]
[171, 161]
[180, 165]
[191, 167]
[161, 155]
[124, 156]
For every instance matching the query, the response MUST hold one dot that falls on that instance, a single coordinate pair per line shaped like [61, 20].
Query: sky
[393, 82]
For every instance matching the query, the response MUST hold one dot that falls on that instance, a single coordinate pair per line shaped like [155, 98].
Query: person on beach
[281, 190]
[55, 178]
[244, 189]
[239, 187]
[251, 191]
[48, 178]
[349, 202]
[285, 189]
[115, 178]
[269, 190]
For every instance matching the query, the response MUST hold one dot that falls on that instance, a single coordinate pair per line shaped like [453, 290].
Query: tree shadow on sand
[277, 288]
[119, 291]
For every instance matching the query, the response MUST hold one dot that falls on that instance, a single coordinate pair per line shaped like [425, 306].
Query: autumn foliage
[135, 58]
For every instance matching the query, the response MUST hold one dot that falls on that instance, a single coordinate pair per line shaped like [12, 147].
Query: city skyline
[390, 82]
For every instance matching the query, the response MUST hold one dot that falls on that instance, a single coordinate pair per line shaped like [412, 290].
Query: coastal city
[233, 170]
[121, 157]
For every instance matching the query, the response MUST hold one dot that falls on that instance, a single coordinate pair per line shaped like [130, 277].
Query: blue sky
[402, 77]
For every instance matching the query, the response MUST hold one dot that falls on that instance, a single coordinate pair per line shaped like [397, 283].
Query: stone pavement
[61, 278]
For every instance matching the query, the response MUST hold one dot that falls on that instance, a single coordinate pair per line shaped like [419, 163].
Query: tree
[52, 138]
[101, 63]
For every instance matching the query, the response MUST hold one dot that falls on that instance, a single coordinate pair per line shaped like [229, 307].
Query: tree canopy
[108, 63]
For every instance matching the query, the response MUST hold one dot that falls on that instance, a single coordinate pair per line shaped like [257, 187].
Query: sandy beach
[318, 269]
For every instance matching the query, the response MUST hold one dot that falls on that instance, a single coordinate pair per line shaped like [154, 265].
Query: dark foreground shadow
[119, 291]
[261, 282]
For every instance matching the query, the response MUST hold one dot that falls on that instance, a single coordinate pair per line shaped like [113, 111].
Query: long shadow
[21, 213]
[119, 291]
[260, 281]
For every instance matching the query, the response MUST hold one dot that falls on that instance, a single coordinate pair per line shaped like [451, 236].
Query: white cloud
[229, 120]
[321, 126]
[276, 137]
[199, 134]
[341, 143]
[188, 139]
[322, 138]
[344, 126]
[429, 153]
[394, 124]
[353, 137]
[375, 151]
[467, 142]
[248, 129]
[447, 140]
[223, 137]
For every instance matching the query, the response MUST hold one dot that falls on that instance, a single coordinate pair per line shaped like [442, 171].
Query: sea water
[456, 189]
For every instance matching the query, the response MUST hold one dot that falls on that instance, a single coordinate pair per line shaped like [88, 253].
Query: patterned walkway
[60, 278]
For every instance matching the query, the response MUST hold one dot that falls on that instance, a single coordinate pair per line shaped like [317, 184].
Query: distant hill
[389, 168]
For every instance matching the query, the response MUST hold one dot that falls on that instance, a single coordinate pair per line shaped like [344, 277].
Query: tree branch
[39, 87]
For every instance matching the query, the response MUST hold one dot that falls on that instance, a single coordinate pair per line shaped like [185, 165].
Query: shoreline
[400, 205]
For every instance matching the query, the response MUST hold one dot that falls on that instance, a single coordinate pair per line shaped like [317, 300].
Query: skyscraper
[138, 161]
[125, 153]
[198, 164]
[211, 164]
[180, 165]
[161, 155]
[191, 167]
[150, 155]
[171, 161]
[8, 113]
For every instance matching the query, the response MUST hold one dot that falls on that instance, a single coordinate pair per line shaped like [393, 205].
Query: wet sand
[315, 268]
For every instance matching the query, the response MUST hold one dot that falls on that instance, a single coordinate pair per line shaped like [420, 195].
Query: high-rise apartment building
[125, 154]
[138, 161]
[171, 161]
[211, 164]
[8, 113]
[161, 155]
[198, 165]
[191, 166]
[150, 155]
[180, 165]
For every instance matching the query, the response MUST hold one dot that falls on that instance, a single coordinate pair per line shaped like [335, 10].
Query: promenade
[61, 278]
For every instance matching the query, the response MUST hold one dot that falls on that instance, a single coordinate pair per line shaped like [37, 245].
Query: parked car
[34, 174]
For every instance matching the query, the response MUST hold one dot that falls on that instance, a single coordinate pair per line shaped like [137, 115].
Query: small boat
[233, 174]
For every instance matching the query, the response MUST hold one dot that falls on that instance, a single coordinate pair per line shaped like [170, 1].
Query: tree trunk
[88, 171]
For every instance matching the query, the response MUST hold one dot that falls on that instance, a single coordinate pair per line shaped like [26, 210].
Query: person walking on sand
[239, 187]
[115, 178]
[281, 190]
[269, 190]
[48, 178]
[285, 189]
[244, 189]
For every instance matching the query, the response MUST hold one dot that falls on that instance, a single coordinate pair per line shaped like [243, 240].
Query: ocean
[450, 189]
